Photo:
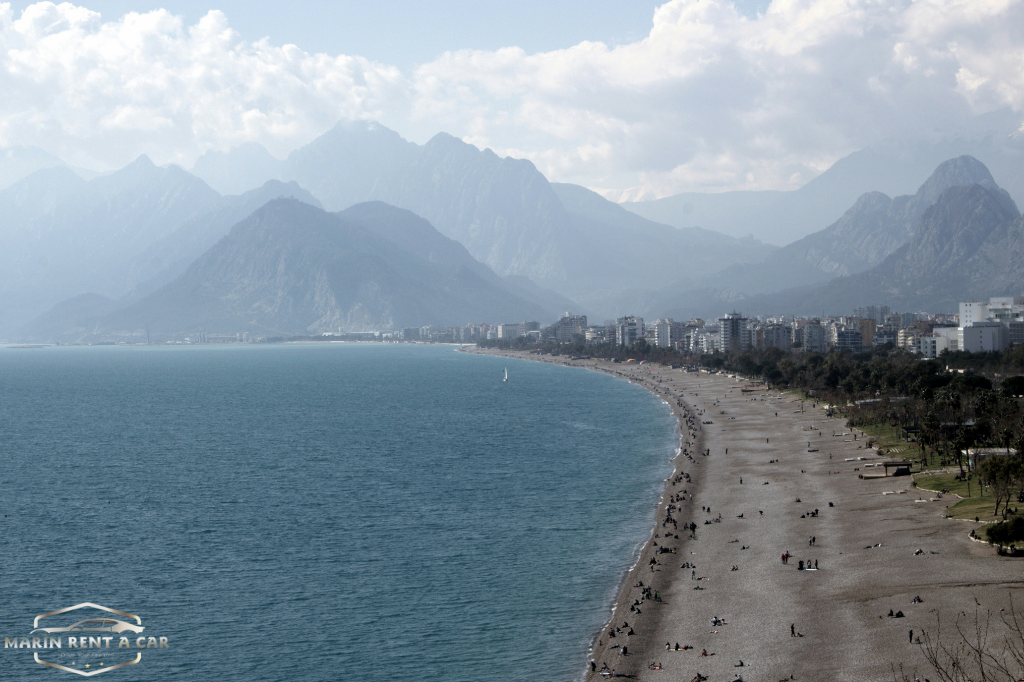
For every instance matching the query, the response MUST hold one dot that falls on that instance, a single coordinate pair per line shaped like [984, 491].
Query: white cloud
[708, 100]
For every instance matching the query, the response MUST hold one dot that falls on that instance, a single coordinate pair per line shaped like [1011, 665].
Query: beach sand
[790, 465]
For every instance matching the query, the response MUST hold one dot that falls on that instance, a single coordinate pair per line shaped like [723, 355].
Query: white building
[932, 345]
[814, 337]
[510, 331]
[984, 337]
[663, 333]
[628, 330]
[977, 318]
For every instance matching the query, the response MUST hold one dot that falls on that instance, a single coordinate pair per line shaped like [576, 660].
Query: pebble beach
[759, 475]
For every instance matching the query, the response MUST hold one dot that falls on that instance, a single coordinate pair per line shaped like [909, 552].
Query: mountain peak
[143, 161]
[447, 141]
[959, 172]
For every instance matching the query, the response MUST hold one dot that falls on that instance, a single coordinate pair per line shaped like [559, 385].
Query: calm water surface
[322, 512]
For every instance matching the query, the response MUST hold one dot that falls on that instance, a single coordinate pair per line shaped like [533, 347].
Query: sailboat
[506, 374]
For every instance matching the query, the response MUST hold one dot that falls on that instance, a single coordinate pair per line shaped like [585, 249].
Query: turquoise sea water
[322, 512]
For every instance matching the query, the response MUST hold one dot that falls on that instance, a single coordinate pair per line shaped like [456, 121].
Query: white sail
[506, 374]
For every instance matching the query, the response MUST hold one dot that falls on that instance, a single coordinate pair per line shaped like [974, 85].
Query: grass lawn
[980, 506]
[888, 438]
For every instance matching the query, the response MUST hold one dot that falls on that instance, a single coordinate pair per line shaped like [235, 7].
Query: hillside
[967, 246]
[893, 167]
[866, 234]
[291, 268]
[117, 235]
[562, 237]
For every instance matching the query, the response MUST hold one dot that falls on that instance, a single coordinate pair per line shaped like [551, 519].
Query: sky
[633, 98]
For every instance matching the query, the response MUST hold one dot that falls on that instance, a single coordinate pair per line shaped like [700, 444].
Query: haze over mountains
[967, 246]
[870, 230]
[506, 213]
[894, 167]
[115, 235]
[361, 230]
[957, 238]
[291, 267]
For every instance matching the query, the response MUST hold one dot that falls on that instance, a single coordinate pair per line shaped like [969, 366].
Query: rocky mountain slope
[867, 233]
[969, 245]
[847, 262]
[507, 214]
[62, 236]
[893, 167]
[291, 268]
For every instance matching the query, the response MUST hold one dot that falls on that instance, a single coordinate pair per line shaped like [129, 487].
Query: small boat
[506, 374]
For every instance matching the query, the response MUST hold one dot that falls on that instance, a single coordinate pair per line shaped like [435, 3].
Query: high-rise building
[981, 337]
[877, 313]
[510, 331]
[814, 336]
[774, 336]
[849, 339]
[662, 333]
[569, 327]
[867, 330]
[735, 332]
[977, 319]
[628, 330]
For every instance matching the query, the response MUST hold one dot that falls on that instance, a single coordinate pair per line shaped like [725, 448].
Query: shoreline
[876, 552]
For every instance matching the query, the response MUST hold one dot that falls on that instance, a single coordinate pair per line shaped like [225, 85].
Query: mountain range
[292, 268]
[863, 237]
[506, 213]
[957, 238]
[966, 246]
[361, 229]
[893, 167]
[116, 235]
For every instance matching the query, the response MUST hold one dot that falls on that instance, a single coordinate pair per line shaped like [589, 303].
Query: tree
[981, 648]
[1001, 474]
[1013, 386]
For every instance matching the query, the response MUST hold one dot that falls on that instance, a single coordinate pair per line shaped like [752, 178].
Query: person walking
[792, 630]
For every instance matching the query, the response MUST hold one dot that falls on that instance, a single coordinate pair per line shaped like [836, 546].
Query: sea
[321, 511]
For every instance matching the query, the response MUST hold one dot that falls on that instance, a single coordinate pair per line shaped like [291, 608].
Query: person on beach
[792, 630]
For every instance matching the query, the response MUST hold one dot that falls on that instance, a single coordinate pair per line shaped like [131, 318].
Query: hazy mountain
[563, 237]
[508, 215]
[130, 230]
[870, 230]
[61, 235]
[293, 268]
[340, 167]
[70, 320]
[20, 162]
[240, 170]
[169, 256]
[894, 167]
[967, 246]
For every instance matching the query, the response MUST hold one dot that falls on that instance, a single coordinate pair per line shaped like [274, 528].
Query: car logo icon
[91, 626]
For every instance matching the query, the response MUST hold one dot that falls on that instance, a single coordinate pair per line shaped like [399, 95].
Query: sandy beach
[759, 475]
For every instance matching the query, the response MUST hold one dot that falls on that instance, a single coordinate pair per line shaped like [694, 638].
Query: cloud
[106, 92]
[710, 99]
